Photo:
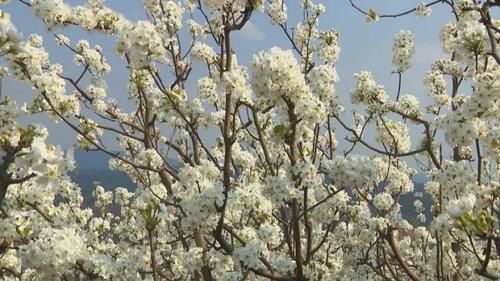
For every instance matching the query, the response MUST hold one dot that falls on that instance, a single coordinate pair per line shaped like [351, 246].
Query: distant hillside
[110, 180]
[406, 201]
[93, 167]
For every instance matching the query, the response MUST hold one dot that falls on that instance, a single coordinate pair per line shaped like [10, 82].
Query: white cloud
[252, 32]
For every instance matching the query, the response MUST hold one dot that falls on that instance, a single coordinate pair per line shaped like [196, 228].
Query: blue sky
[364, 46]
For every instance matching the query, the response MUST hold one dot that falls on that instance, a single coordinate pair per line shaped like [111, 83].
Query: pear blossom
[52, 12]
[141, 41]
[277, 11]
[403, 49]
[422, 10]
[456, 208]
[368, 92]
[238, 172]
[9, 36]
[329, 49]
[203, 52]
[383, 201]
[395, 135]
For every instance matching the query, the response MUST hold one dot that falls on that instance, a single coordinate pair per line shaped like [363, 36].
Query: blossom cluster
[237, 173]
[403, 49]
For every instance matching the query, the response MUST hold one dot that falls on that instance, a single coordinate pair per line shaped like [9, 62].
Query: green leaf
[23, 231]
[150, 215]
[280, 130]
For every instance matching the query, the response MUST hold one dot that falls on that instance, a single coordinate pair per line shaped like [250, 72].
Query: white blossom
[403, 49]
[422, 10]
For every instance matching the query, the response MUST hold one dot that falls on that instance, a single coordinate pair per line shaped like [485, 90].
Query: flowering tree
[269, 198]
